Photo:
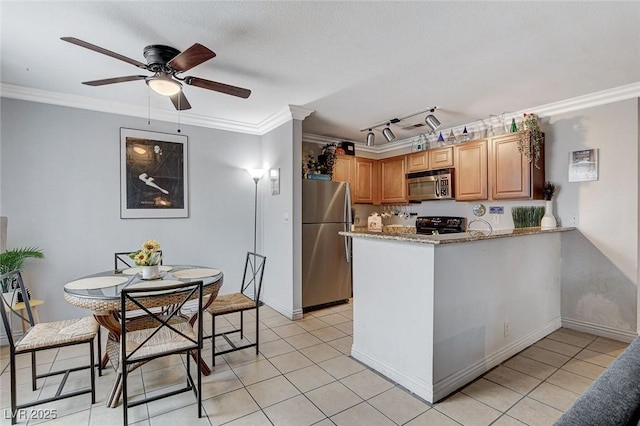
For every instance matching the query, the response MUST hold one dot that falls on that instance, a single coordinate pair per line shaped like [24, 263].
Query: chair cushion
[58, 333]
[230, 303]
[165, 340]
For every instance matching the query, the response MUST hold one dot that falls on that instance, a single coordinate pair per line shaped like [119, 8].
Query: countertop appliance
[430, 185]
[434, 225]
[326, 255]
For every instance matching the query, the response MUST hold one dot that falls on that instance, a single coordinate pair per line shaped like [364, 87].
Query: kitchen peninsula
[433, 312]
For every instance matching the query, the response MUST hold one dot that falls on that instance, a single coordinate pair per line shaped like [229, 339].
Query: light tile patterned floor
[304, 376]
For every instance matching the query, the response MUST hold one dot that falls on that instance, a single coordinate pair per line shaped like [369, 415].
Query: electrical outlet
[506, 329]
[575, 219]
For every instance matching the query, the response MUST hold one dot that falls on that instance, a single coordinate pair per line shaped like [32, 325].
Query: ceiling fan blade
[195, 55]
[103, 51]
[218, 87]
[180, 101]
[114, 80]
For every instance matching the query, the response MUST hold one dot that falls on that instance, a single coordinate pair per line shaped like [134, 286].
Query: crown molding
[295, 112]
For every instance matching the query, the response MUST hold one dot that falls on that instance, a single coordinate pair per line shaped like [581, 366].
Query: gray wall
[60, 189]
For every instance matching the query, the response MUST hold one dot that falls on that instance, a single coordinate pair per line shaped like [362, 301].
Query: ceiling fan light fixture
[164, 85]
[432, 122]
[388, 134]
[370, 138]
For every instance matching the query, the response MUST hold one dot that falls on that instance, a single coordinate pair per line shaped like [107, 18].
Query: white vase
[150, 272]
[548, 220]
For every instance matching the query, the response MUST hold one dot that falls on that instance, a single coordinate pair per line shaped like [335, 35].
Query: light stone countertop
[462, 237]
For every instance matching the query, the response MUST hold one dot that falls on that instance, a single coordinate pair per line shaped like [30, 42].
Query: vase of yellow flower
[148, 257]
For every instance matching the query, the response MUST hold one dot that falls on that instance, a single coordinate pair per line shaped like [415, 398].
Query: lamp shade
[163, 85]
[256, 174]
[370, 138]
[432, 122]
[388, 134]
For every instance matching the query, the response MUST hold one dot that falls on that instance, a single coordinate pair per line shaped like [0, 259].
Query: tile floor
[304, 376]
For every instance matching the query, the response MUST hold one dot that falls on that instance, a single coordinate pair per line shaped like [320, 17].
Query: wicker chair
[247, 299]
[155, 335]
[43, 336]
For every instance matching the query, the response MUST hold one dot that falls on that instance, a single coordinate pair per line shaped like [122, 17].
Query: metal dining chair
[155, 335]
[43, 336]
[248, 298]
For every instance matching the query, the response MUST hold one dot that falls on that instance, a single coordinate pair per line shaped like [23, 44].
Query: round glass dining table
[100, 293]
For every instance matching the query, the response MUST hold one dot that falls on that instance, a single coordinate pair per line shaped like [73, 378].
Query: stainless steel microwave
[430, 185]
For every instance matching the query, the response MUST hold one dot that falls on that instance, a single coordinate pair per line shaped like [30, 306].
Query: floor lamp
[256, 175]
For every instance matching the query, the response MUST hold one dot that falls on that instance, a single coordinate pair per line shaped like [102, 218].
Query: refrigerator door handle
[347, 222]
[347, 248]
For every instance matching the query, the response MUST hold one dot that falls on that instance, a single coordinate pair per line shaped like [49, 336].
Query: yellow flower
[140, 258]
[151, 246]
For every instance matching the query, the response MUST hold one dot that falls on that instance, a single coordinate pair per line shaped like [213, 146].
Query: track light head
[432, 121]
[370, 138]
[388, 134]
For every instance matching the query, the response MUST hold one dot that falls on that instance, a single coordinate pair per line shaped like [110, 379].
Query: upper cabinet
[511, 175]
[365, 186]
[494, 169]
[470, 177]
[344, 169]
[393, 188]
[417, 161]
[441, 158]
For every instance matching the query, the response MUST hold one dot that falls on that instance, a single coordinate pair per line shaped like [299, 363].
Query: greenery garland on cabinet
[531, 138]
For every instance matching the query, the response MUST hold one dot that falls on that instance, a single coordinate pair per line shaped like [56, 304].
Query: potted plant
[12, 260]
[148, 257]
[323, 165]
[531, 138]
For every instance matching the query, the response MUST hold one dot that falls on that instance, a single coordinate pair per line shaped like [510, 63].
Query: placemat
[196, 273]
[93, 283]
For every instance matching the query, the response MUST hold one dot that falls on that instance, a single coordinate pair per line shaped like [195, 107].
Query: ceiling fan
[166, 63]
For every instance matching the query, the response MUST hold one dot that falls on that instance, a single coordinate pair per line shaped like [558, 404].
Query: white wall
[61, 191]
[600, 264]
[280, 150]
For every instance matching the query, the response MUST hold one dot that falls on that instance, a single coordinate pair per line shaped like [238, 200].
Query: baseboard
[457, 380]
[296, 314]
[419, 387]
[599, 330]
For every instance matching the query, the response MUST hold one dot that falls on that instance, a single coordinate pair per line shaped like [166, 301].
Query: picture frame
[153, 175]
[583, 165]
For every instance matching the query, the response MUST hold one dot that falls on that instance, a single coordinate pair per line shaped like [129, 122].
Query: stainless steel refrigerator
[326, 255]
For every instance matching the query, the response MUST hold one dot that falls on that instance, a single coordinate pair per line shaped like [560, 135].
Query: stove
[433, 225]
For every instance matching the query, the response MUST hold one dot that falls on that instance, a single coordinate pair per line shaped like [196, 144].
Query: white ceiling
[354, 63]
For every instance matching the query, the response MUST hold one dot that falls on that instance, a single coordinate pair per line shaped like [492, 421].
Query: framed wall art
[583, 165]
[153, 175]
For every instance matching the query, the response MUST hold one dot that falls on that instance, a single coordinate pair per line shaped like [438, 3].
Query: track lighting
[432, 121]
[388, 134]
[370, 138]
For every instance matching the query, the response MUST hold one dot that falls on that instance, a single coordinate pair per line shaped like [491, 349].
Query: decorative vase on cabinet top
[548, 220]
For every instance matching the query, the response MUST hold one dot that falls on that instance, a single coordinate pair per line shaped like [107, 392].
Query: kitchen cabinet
[418, 161]
[511, 175]
[441, 158]
[471, 170]
[365, 186]
[393, 187]
[344, 169]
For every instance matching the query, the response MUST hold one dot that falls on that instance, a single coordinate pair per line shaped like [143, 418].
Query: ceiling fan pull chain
[148, 107]
[179, 111]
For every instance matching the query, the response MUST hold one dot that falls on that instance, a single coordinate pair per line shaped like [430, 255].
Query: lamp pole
[256, 175]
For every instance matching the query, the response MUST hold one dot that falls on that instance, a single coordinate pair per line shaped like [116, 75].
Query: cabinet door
[471, 170]
[418, 161]
[510, 171]
[344, 169]
[365, 181]
[393, 188]
[441, 158]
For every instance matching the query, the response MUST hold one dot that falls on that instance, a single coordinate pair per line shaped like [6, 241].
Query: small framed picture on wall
[583, 165]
